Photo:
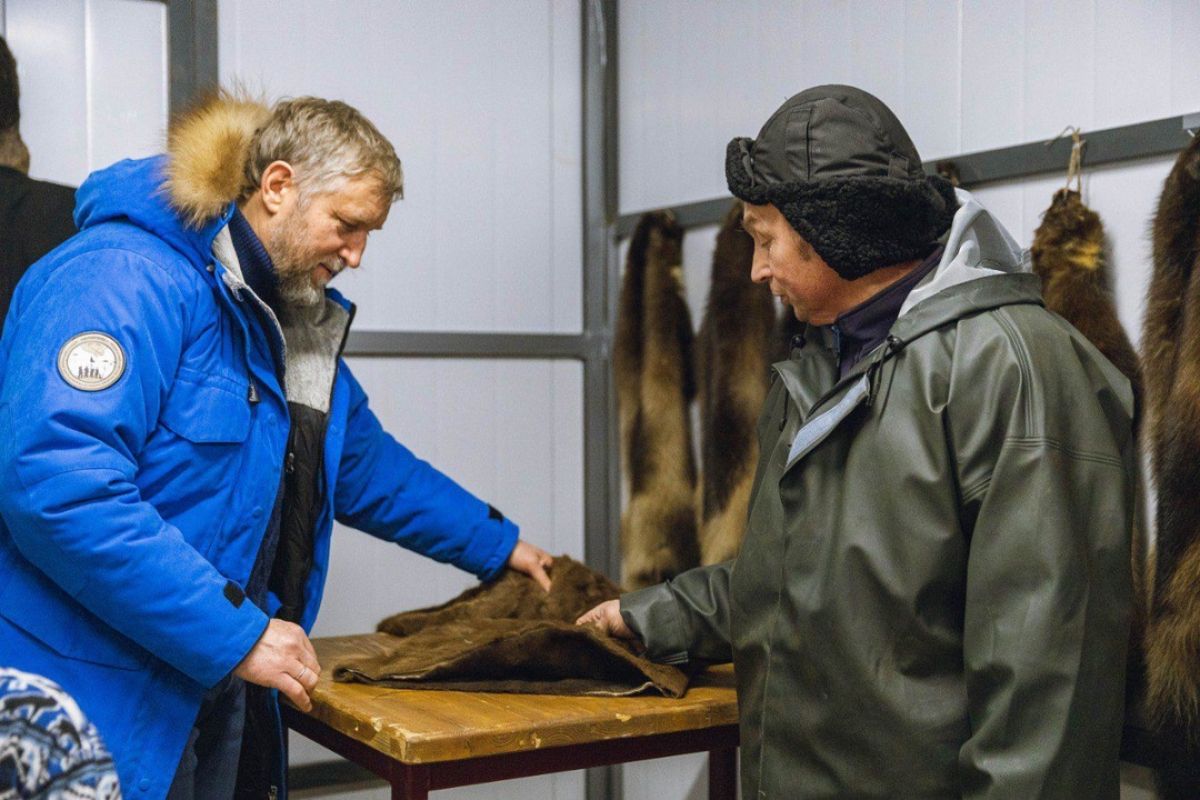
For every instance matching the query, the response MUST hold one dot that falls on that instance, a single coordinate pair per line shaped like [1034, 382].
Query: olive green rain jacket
[932, 599]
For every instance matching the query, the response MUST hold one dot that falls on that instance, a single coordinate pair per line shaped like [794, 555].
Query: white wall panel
[1060, 60]
[822, 22]
[650, 118]
[1133, 62]
[51, 53]
[993, 73]
[932, 106]
[566, 195]
[127, 68]
[1185, 56]
[877, 50]
[481, 100]
[93, 82]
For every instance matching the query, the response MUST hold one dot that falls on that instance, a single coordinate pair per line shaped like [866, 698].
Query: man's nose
[352, 249]
[759, 268]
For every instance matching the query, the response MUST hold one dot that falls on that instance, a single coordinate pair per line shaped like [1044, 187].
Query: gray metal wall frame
[1108, 146]
[601, 278]
[191, 50]
[193, 67]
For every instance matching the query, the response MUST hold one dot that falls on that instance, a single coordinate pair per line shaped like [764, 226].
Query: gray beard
[294, 266]
[295, 287]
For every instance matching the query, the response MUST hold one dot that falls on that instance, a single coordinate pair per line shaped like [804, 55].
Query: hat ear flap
[739, 171]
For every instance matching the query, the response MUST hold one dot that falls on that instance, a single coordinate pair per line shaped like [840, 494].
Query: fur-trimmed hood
[186, 196]
[209, 146]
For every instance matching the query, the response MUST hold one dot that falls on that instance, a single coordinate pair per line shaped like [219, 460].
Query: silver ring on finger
[301, 674]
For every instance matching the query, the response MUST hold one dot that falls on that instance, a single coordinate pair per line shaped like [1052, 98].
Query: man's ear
[277, 184]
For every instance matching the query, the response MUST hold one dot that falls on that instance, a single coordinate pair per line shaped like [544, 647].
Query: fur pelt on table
[652, 362]
[510, 636]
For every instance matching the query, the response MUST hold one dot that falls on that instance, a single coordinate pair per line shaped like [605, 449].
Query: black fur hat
[842, 170]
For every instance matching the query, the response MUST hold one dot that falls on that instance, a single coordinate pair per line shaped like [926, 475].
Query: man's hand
[283, 658]
[532, 560]
[607, 617]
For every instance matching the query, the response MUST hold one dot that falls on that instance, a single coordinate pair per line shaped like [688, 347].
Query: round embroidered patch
[91, 361]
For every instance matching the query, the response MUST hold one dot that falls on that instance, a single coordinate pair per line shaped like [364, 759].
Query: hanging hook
[1075, 163]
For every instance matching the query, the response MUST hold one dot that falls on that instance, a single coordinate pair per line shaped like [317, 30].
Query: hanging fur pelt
[733, 352]
[652, 360]
[1171, 362]
[1068, 254]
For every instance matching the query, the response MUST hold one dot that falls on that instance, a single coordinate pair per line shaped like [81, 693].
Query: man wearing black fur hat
[933, 595]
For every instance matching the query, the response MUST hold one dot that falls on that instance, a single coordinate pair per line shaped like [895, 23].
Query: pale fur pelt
[733, 352]
[653, 371]
[208, 147]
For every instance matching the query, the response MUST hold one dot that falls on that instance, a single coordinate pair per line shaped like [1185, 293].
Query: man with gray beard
[182, 433]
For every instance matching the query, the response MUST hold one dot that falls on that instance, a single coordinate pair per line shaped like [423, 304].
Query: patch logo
[91, 361]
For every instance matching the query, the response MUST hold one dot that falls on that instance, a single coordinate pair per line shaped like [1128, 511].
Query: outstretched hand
[283, 658]
[607, 618]
[531, 560]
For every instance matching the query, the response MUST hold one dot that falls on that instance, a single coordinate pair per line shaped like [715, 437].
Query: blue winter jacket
[132, 515]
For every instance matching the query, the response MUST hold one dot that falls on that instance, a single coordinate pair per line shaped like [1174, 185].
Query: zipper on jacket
[837, 347]
[891, 344]
[253, 393]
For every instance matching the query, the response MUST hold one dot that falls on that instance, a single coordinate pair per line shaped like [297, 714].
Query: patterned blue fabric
[48, 749]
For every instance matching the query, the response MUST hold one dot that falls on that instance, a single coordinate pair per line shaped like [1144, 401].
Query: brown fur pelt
[511, 636]
[1068, 254]
[652, 362]
[209, 145]
[1171, 362]
[733, 354]
[574, 589]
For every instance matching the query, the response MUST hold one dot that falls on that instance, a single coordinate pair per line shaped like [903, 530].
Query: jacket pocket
[207, 409]
[36, 605]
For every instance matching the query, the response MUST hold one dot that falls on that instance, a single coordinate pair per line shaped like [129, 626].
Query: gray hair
[326, 142]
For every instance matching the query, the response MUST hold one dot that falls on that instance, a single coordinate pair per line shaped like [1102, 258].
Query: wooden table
[419, 740]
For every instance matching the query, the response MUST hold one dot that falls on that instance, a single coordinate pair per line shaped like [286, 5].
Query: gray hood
[977, 245]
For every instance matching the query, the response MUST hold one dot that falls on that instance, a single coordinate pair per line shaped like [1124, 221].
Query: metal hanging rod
[1108, 146]
[453, 344]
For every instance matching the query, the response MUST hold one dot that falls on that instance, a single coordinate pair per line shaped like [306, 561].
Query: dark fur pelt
[1171, 363]
[652, 361]
[511, 636]
[1068, 254]
[733, 356]
[574, 590]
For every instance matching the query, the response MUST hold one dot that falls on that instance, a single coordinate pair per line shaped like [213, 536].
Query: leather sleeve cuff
[653, 614]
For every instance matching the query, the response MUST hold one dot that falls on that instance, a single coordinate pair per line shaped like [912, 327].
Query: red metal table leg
[410, 783]
[722, 774]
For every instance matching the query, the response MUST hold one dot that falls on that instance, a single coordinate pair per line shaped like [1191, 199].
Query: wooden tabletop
[419, 726]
